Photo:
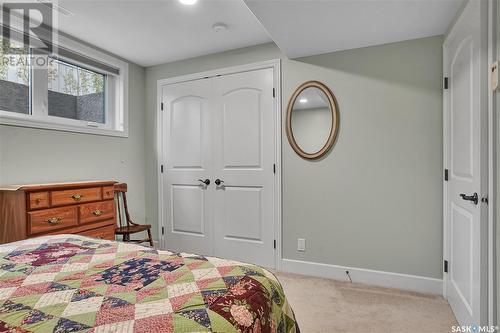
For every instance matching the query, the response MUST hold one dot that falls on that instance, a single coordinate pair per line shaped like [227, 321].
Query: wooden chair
[128, 227]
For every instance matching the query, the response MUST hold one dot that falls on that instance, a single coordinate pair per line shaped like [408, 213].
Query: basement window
[76, 89]
[76, 92]
[14, 84]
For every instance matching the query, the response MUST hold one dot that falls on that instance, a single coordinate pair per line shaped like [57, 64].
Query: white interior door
[466, 102]
[187, 143]
[244, 155]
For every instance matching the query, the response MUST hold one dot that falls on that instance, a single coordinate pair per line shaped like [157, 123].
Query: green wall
[29, 155]
[375, 201]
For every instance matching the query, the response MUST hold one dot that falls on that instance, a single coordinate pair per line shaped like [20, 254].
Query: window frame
[108, 108]
[115, 97]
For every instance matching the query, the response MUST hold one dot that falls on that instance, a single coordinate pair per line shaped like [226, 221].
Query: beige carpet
[330, 306]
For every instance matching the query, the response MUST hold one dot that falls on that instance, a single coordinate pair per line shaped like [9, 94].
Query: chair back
[121, 204]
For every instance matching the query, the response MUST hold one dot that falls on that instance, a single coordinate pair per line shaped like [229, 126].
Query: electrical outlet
[301, 245]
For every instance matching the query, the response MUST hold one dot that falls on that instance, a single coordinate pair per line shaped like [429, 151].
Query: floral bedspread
[70, 283]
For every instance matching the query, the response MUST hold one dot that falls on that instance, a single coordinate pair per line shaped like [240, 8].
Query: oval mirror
[312, 120]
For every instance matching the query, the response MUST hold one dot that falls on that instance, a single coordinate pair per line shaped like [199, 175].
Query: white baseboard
[367, 276]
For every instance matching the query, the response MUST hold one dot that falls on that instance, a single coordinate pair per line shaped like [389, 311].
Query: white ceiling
[150, 32]
[307, 27]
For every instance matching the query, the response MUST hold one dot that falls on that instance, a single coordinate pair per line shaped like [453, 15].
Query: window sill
[64, 125]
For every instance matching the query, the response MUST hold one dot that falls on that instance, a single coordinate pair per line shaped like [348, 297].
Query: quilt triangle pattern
[80, 284]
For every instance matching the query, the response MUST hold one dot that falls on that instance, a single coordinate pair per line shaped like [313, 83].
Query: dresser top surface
[56, 186]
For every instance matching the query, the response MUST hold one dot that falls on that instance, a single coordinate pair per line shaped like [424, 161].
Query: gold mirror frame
[334, 129]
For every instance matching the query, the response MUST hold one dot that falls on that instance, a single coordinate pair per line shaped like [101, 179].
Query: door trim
[486, 184]
[446, 164]
[275, 64]
[492, 165]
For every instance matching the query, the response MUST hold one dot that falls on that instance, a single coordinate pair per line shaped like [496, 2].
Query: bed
[70, 283]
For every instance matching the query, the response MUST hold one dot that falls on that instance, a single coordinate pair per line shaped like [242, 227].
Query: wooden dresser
[84, 208]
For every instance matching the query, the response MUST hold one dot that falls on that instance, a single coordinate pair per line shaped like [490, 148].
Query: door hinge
[163, 230]
[445, 83]
[446, 174]
[161, 106]
[274, 243]
[445, 266]
[161, 168]
[274, 168]
[274, 92]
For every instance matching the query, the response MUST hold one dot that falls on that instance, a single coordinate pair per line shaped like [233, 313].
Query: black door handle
[474, 198]
[206, 181]
[218, 182]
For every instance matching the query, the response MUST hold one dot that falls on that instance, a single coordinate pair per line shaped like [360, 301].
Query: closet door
[188, 152]
[244, 155]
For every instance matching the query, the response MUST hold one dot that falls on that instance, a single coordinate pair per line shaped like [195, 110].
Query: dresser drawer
[97, 211]
[38, 200]
[107, 232]
[108, 193]
[52, 219]
[67, 197]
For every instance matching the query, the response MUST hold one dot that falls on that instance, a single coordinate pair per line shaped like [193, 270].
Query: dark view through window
[75, 92]
[14, 80]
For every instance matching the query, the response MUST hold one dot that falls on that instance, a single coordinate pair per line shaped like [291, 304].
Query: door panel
[187, 205]
[467, 103]
[462, 223]
[242, 137]
[244, 203]
[462, 111]
[186, 124]
[242, 208]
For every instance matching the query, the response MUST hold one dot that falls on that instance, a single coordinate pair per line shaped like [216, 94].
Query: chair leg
[150, 238]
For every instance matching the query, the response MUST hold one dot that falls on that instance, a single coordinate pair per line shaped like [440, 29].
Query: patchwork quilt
[70, 283]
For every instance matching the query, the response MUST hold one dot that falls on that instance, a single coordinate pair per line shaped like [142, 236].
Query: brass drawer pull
[77, 197]
[97, 212]
[54, 220]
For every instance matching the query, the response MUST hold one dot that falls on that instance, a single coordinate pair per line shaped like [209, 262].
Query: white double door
[219, 154]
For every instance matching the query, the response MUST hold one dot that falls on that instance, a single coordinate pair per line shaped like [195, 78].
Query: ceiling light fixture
[218, 27]
[303, 100]
[188, 2]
